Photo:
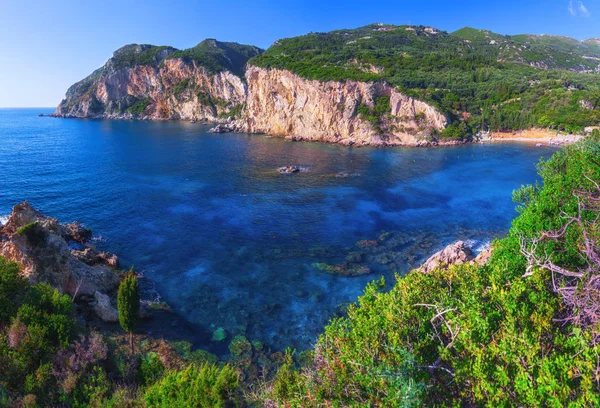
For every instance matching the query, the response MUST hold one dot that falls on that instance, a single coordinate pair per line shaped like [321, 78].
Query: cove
[231, 243]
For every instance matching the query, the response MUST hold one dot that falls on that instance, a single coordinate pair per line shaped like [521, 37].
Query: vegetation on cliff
[487, 80]
[217, 56]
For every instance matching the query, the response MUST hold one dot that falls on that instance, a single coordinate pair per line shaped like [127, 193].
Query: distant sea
[227, 240]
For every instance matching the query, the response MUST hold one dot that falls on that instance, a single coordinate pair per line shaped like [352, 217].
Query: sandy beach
[535, 135]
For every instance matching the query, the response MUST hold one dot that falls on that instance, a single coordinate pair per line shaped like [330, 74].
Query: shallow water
[231, 243]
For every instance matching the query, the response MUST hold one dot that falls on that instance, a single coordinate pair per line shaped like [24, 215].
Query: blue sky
[46, 46]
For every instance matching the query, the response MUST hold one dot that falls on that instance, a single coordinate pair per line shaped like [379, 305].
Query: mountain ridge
[477, 79]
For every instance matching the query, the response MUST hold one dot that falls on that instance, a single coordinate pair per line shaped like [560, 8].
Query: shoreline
[532, 136]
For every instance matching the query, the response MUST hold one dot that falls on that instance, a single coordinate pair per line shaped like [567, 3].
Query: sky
[45, 46]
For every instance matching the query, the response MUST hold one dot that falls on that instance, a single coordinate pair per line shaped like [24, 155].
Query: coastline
[532, 136]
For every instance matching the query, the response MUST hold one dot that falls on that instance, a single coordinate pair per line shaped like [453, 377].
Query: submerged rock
[288, 169]
[344, 269]
[366, 243]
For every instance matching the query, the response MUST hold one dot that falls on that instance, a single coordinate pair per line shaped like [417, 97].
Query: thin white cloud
[578, 9]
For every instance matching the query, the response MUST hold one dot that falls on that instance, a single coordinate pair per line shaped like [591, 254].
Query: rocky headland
[264, 101]
[61, 256]
[378, 85]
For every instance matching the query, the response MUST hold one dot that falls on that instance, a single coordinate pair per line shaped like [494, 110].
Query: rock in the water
[454, 254]
[366, 243]
[483, 257]
[77, 232]
[288, 169]
[228, 127]
[219, 335]
[104, 308]
[92, 257]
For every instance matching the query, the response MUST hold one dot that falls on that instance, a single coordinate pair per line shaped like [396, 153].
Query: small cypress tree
[128, 302]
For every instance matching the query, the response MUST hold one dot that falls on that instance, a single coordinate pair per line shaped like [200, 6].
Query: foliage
[35, 235]
[132, 55]
[13, 288]
[139, 106]
[196, 386]
[128, 301]
[457, 131]
[482, 73]
[217, 56]
[151, 368]
[128, 304]
[42, 323]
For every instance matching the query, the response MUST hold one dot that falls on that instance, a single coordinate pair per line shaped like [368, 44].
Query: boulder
[91, 257]
[104, 309]
[288, 169]
[454, 254]
[483, 257]
[77, 232]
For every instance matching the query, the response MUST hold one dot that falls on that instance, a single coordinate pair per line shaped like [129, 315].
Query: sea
[229, 242]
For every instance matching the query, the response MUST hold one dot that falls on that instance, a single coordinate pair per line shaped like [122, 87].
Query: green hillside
[501, 82]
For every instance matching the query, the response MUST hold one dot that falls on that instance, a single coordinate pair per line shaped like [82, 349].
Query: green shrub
[139, 106]
[196, 386]
[48, 314]
[128, 304]
[13, 288]
[151, 368]
[35, 235]
[457, 131]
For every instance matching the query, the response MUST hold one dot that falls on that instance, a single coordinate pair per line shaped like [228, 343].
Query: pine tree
[128, 302]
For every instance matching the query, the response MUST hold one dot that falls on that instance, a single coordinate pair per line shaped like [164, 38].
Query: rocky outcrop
[147, 82]
[40, 245]
[281, 103]
[454, 254]
[176, 90]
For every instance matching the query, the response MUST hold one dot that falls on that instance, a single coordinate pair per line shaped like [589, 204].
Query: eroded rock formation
[281, 103]
[40, 245]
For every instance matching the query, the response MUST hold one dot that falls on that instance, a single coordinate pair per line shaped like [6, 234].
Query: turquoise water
[231, 243]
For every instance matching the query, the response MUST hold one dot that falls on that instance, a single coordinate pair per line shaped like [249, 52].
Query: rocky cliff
[208, 83]
[56, 254]
[281, 103]
[160, 83]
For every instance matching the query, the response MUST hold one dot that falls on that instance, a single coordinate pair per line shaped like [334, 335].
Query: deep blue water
[231, 243]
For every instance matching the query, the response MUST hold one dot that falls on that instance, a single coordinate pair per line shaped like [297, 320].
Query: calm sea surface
[231, 243]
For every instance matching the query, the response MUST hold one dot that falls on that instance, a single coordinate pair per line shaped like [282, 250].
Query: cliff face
[41, 246]
[163, 87]
[161, 83]
[281, 103]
